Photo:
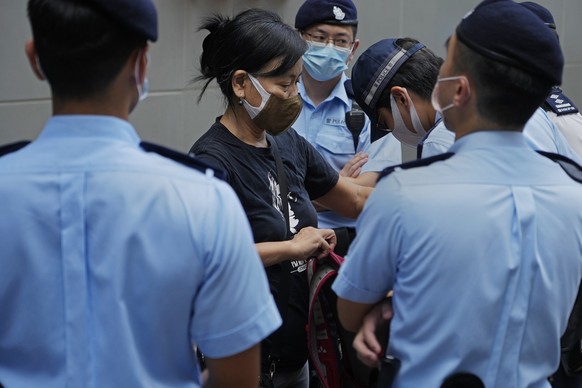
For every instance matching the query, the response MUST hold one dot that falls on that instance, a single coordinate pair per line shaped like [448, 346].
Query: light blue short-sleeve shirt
[324, 126]
[115, 262]
[570, 125]
[484, 254]
[438, 140]
[542, 134]
[384, 152]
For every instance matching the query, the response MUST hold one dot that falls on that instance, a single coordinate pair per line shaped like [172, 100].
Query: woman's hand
[310, 242]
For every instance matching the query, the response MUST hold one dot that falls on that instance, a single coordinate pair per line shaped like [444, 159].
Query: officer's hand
[371, 339]
[353, 167]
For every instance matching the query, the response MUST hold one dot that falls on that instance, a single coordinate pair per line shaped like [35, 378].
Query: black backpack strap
[573, 169]
[415, 163]
[188, 160]
[349, 89]
[12, 147]
[355, 118]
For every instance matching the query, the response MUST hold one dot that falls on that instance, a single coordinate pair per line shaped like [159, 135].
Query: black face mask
[279, 114]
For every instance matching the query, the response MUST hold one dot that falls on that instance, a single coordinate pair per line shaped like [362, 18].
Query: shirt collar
[89, 126]
[339, 92]
[437, 119]
[488, 139]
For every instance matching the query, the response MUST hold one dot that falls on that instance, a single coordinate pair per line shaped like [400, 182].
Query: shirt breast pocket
[336, 140]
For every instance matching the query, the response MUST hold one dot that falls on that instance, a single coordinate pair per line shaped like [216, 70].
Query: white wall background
[170, 115]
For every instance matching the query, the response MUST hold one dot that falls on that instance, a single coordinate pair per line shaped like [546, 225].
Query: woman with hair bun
[256, 59]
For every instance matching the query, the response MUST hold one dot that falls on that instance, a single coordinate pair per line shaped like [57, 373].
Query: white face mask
[401, 131]
[434, 97]
[142, 90]
[253, 111]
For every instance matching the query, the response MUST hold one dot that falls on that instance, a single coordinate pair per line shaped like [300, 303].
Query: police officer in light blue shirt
[117, 263]
[560, 109]
[401, 73]
[482, 246]
[392, 82]
[329, 27]
[562, 112]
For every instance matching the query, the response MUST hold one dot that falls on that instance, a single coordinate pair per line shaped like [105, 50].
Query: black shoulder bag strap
[285, 276]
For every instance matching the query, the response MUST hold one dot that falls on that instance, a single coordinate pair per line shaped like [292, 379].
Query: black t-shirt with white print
[252, 172]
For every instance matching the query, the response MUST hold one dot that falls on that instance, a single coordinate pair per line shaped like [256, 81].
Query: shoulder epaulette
[415, 163]
[573, 169]
[12, 147]
[185, 159]
[559, 103]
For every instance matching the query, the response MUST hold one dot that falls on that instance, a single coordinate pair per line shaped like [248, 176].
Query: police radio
[355, 120]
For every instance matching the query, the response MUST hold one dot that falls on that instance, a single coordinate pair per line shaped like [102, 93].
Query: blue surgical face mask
[325, 61]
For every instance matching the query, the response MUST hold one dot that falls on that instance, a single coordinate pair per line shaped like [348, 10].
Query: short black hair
[418, 74]
[507, 95]
[80, 49]
[248, 41]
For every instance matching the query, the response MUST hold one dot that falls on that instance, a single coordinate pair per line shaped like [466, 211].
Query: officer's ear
[30, 50]
[141, 63]
[400, 96]
[462, 91]
[403, 104]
